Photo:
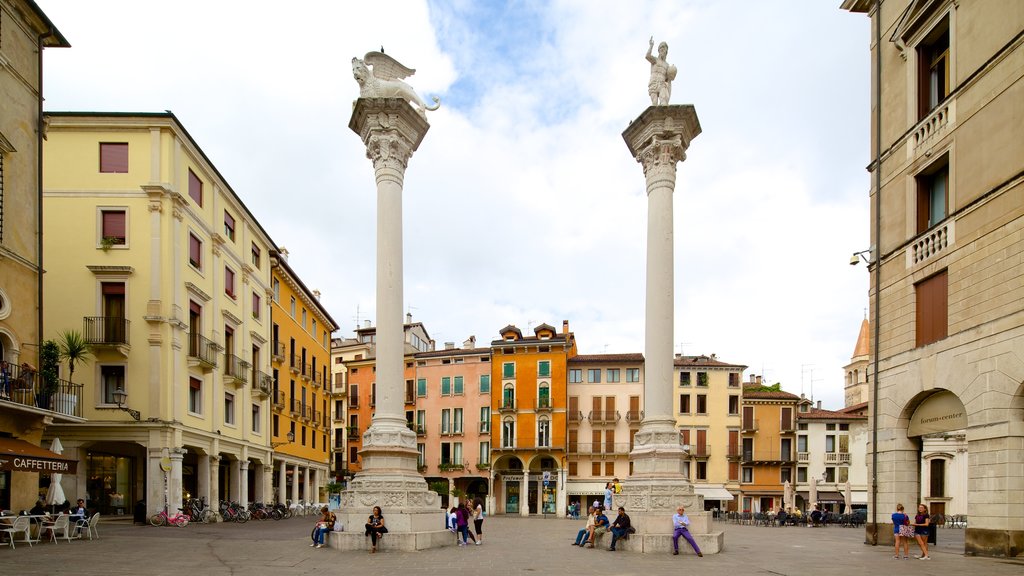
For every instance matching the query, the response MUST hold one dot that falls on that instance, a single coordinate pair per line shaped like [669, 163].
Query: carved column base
[657, 452]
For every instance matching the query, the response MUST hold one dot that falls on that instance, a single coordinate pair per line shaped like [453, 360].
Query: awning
[21, 456]
[585, 488]
[824, 496]
[713, 492]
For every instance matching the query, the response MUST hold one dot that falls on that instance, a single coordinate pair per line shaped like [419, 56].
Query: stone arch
[9, 347]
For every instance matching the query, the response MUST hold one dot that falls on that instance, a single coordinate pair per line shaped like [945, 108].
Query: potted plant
[73, 349]
[107, 241]
[49, 373]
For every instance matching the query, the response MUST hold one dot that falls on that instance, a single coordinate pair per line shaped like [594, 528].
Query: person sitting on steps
[375, 528]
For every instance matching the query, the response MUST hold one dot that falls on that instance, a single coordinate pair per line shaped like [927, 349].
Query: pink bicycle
[162, 519]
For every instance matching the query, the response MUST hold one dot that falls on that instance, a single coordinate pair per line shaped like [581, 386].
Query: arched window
[508, 396]
[544, 396]
[543, 433]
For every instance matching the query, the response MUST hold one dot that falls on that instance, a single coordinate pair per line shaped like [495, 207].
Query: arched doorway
[938, 426]
[508, 478]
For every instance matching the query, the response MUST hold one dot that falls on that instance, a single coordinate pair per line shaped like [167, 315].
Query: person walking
[478, 520]
[681, 527]
[922, 522]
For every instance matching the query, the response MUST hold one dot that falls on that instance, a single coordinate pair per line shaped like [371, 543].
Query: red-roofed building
[768, 446]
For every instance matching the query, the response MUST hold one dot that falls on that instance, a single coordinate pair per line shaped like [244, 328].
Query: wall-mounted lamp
[290, 436]
[866, 255]
[120, 396]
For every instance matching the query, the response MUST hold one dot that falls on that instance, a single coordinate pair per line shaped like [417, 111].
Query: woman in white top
[478, 520]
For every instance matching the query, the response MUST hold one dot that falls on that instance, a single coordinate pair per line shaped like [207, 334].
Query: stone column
[282, 482]
[305, 485]
[268, 483]
[203, 480]
[658, 140]
[295, 484]
[391, 130]
[524, 494]
[215, 482]
[174, 482]
[243, 482]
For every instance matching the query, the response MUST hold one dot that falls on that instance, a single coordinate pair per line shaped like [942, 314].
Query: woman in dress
[922, 527]
[902, 532]
[375, 528]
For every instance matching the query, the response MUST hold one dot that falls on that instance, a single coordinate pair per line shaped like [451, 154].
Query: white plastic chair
[87, 527]
[19, 525]
[61, 523]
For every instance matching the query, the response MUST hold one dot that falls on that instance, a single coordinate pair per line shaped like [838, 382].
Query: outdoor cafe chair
[88, 526]
[61, 523]
[19, 525]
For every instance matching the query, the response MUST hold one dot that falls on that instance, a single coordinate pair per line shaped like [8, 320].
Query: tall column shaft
[390, 328]
[660, 305]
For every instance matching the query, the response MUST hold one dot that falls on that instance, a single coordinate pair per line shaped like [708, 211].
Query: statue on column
[662, 75]
[384, 80]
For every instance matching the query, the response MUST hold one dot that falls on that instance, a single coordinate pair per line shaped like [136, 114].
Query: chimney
[565, 326]
[679, 355]
[408, 317]
[759, 380]
[819, 404]
[449, 345]
[433, 345]
[469, 343]
[367, 324]
[316, 294]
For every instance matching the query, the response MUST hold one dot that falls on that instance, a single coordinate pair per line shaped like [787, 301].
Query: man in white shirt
[681, 527]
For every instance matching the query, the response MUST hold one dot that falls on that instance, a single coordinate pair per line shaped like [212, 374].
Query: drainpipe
[39, 199]
[878, 270]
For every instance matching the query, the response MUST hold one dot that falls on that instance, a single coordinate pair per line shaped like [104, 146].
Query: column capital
[659, 137]
[390, 128]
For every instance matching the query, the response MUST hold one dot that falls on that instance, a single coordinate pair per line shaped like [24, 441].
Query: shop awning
[713, 492]
[824, 497]
[585, 488]
[21, 456]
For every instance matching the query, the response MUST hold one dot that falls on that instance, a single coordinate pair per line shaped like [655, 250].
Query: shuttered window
[195, 187]
[195, 251]
[229, 226]
[114, 226]
[229, 281]
[114, 157]
[932, 312]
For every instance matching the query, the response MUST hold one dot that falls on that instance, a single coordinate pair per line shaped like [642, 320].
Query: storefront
[110, 481]
[512, 489]
[22, 461]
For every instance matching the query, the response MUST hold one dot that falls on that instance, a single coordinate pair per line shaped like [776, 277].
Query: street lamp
[290, 436]
[867, 256]
[120, 396]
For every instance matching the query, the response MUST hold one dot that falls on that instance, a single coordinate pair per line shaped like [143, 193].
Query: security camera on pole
[658, 140]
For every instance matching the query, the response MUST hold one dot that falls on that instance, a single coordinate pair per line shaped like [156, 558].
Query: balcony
[933, 243]
[306, 371]
[452, 466]
[932, 128]
[410, 398]
[352, 432]
[803, 457]
[542, 405]
[634, 417]
[600, 449]
[575, 417]
[353, 403]
[23, 389]
[236, 370]
[421, 430]
[295, 363]
[296, 409]
[485, 427]
[316, 377]
[450, 430]
[339, 389]
[767, 456]
[202, 352]
[733, 452]
[262, 384]
[837, 457]
[278, 399]
[604, 416]
[508, 406]
[750, 425]
[107, 332]
[277, 349]
[700, 451]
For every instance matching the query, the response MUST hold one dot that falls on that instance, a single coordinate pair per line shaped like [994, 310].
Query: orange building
[453, 417]
[528, 414]
[768, 445]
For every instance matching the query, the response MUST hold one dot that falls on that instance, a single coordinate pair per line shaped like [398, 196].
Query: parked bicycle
[163, 519]
[233, 512]
[198, 511]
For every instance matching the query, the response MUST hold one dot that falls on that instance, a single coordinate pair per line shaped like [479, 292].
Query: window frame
[195, 188]
[229, 225]
[115, 163]
[120, 242]
[931, 309]
[195, 251]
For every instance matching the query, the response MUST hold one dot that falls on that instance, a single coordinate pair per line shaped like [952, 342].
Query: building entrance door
[532, 498]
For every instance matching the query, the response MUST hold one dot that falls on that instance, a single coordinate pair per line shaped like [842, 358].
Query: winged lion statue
[380, 76]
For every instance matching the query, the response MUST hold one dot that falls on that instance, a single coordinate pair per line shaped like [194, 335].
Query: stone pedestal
[658, 139]
[391, 130]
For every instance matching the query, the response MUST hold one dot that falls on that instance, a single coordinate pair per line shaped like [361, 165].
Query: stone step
[404, 541]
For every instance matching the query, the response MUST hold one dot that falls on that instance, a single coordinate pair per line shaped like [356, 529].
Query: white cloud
[523, 205]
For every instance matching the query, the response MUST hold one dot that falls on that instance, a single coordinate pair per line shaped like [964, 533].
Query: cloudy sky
[523, 204]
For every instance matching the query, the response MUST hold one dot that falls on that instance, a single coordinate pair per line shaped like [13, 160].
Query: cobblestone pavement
[511, 546]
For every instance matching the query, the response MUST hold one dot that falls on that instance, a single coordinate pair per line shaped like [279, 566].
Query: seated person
[781, 517]
[816, 516]
[600, 527]
[620, 527]
[583, 534]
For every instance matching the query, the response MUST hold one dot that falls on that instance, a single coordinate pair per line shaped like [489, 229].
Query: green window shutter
[459, 387]
[421, 387]
[446, 386]
[485, 383]
[544, 368]
[508, 370]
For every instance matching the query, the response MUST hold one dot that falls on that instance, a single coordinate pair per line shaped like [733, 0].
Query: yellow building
[301, 363]
[605, 399]
[157, 261]
[26, 31]
[767, 445]
[528, 413]
[708, 418]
